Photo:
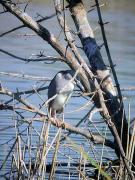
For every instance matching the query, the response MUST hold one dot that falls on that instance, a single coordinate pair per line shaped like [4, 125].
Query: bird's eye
[59, 75]
[68, 76]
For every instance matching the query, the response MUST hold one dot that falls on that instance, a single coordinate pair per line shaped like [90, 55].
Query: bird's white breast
[62, 96]
[59, 101]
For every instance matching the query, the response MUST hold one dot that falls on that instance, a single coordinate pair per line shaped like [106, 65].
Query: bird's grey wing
[52, 89]
[58, 83]
[55, 85]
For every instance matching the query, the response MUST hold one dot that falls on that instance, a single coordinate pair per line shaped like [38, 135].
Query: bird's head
[68, 75]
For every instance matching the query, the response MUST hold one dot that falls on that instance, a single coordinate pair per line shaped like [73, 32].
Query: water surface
[121, 38]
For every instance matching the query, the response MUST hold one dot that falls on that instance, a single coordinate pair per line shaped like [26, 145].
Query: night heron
[59, 91]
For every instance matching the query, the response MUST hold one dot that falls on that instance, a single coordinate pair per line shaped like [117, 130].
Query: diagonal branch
[47, 36]
[71, 61]
[95, 138]
[92, 51]
[98, 139]
[23, 101]
[22, 26]
[90, 46]
[45, 58]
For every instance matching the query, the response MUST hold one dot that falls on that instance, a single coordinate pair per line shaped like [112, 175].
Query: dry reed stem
[53, 164]
[80, 164]
[132, 146]
[101, 158]
[43, 157]
[19, 156]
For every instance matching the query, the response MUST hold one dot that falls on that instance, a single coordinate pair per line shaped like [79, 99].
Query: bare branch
[19, 27]
[19, 99]
[25, 76]
[40, 59]
[90, 46]
[98, 67]
[98, 139]
[47, 36]
[95, 138]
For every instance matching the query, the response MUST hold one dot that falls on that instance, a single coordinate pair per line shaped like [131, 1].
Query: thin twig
[5, 160]
[25, 76]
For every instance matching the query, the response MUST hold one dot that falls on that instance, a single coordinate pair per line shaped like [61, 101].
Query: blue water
[121, 38]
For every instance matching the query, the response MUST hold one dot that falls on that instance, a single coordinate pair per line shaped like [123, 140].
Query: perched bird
[60, 90]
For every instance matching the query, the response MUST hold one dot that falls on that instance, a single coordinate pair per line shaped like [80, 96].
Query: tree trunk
[91, 49]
